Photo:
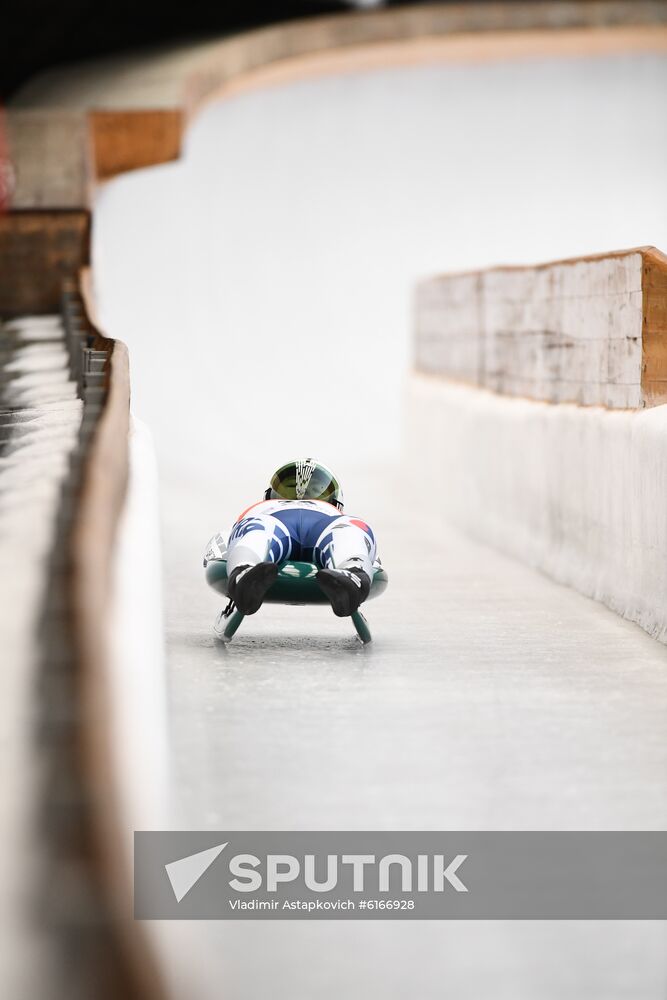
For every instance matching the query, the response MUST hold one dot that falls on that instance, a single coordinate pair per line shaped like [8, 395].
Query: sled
[296, 585]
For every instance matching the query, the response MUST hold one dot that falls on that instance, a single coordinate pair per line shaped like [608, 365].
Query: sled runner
[295, 584]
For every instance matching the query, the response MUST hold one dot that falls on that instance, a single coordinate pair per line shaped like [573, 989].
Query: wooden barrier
[39, 251]
[128, 140]
[654, 327]
[140, 121]
[381, 38]
[48, 150]
[590, 330]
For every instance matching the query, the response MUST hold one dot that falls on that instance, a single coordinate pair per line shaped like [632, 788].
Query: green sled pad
[295, 583]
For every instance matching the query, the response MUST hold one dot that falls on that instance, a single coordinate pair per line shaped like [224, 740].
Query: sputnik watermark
[249, 874]
[423, 875]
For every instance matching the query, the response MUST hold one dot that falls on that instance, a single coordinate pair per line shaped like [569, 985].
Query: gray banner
[400, 875]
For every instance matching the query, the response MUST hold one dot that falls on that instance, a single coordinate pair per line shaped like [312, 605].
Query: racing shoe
[247, 585]
[345, 588]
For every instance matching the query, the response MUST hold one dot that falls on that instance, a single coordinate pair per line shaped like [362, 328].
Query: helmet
[305, 479]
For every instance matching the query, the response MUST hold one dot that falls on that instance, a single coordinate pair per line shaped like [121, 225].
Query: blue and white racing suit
[304, 530]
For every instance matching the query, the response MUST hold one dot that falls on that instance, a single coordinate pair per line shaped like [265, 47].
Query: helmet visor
[304, 481]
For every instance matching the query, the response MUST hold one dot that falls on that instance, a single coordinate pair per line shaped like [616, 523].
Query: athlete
[301, 517]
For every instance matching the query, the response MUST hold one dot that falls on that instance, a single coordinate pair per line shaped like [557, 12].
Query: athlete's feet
[345, 588]
[248, 585]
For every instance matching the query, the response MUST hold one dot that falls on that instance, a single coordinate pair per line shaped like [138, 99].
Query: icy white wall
[580, 493]
[136, 686]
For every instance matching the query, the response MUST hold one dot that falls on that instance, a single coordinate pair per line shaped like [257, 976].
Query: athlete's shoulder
[275, 505]
[254, 506]
[268, 506]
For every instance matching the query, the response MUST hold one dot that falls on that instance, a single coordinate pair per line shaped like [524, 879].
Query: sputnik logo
[186, 872]
[432, 870]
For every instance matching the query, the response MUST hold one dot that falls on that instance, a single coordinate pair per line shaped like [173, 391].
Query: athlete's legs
[258, 538]
[343, 547]
[346, 543]
[346, 551]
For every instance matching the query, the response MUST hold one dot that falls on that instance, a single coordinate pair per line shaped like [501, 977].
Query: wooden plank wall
[128, 140]
[44, 239]
[39, 251]
[654, 328]
[246, 52]
[48, 151]
[588, 330]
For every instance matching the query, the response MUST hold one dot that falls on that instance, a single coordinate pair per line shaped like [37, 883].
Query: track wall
[576, 491]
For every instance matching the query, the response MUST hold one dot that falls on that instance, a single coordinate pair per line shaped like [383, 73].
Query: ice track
[265, 297]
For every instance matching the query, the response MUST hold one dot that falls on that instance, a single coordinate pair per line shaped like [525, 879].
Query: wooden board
[589, 330]
[39, 250]
[128, 140]
[420, 35]
[654, 328]
[48, 150]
